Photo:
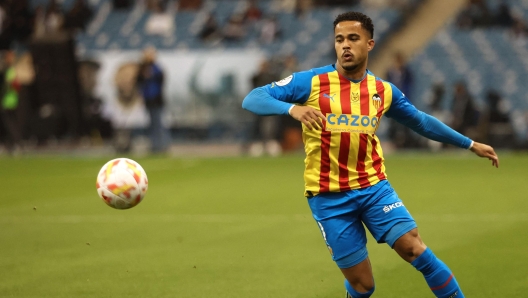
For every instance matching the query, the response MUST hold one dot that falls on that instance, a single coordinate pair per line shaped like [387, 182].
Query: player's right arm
[286, 97]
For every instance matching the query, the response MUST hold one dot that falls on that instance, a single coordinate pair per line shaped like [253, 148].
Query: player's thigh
[345, 238]
[386, 216]
[337, 216]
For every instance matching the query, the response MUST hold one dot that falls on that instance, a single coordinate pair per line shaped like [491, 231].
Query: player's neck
[353, 75]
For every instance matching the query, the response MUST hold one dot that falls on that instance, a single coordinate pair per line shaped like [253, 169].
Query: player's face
[352, 44]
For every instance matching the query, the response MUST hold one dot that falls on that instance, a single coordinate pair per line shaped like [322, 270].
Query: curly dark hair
[365, 21]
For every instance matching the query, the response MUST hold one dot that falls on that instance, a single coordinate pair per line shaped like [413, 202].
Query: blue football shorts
[341, 215]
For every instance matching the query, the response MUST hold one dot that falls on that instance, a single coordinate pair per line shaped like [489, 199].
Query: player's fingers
[319, 114]
[494, 159]
[315, 120]
[308, 124]
[319, 122]
[316, 123]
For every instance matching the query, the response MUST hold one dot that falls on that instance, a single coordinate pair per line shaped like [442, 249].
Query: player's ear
[370, 44]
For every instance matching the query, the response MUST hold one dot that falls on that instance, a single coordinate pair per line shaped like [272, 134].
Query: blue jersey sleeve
[278, 97]
[403, 111]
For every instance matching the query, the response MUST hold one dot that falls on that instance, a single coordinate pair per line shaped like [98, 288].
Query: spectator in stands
[234, 30]
[54, 17]
[503, 18]
[290, 66]
[157, 6]
[303, 6]
[464, 111]
[270, 30]
[79, 16]
[435, 104]
[22, 18]
[189, 4]
[150, 81]
[290, 129]
[437, 111]
[39, 21]
[401, 76]
[519, 32]
[5, 38]
[475, 14]
[122, 4]
[253, 12]
[9, 93]
[265, 133]
[496, 123]
[210, 30]
[95, 125]
[337, 2]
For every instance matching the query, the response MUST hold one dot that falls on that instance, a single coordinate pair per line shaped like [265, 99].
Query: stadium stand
[485, 58]
[126, 29]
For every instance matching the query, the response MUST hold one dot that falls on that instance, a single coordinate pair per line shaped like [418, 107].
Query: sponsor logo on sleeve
[284, 81]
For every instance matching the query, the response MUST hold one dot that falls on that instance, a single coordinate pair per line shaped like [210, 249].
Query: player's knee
[410, 246]
[362, 285]
[361, 288]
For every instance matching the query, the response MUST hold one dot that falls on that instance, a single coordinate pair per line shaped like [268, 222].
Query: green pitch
[240, 227]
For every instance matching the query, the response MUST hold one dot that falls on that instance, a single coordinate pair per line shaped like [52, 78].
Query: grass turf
[240, 227]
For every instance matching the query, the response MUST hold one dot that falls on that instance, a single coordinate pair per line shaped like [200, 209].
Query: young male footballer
[340, 107]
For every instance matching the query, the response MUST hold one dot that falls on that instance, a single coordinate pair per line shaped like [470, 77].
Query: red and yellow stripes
[326, 136]
[344, 147]
[340, 161]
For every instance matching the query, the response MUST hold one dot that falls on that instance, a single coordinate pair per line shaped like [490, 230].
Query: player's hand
[484, 150]
[312, 118]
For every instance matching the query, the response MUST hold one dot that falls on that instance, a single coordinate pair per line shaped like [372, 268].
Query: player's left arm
[404, 112]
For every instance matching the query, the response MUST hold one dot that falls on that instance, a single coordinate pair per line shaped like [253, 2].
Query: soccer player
[340, 107]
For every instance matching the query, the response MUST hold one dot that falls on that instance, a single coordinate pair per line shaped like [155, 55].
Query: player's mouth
[347, 56]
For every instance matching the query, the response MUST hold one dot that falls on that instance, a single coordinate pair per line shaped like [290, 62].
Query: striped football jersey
[346, 154]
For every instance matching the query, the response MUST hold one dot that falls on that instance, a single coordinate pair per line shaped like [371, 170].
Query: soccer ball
[122, 183]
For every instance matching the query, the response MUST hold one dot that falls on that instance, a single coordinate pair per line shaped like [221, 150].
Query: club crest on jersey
[354, 97]
[376, 100]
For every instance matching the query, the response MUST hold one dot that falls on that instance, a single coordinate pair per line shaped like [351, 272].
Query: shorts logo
[388, 208]
[324, 237]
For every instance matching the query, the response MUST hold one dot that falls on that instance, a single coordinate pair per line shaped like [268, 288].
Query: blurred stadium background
[73, 67]
[77, 66]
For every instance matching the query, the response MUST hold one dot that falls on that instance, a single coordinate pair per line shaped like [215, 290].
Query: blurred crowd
[489, 122]
[18, 22]
[478, 14]
[26, 118]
